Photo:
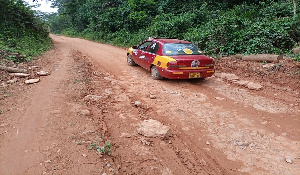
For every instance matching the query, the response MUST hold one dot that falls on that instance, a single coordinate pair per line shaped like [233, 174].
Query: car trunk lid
[192, 62]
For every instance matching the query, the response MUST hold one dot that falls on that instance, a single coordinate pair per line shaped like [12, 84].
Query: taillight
[212, 63]
[175, 65]
[209, 65]
[172, 64]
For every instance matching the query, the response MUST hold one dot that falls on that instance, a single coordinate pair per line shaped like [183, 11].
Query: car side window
[153, 47]
[144, 46]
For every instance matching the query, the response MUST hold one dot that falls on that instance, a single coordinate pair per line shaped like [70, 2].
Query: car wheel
[130, 61]
[155, 74]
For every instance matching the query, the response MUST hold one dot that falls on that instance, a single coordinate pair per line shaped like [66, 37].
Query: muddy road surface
[93, 99]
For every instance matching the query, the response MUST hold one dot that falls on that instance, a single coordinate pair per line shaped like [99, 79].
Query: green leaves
[92, 145]
[297, 57]
[102, 149]
[173, 26]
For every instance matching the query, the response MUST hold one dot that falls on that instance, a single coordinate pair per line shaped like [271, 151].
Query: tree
[295, 7]
[21, 30]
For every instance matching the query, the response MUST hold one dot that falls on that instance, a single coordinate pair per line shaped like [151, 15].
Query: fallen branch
[262, 57]
[13, 70]
[21, 56]
[3, 54]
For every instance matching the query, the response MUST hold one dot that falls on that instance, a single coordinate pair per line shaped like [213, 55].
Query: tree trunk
[295, 7]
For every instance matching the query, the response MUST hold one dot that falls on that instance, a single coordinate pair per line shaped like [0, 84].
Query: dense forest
[21, 31]
[217, 27]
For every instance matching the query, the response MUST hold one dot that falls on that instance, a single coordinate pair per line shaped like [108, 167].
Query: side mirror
[134, 47]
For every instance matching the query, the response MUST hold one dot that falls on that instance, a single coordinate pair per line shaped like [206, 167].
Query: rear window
[181, 49]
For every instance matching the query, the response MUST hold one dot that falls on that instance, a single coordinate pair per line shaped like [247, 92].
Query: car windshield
[181, 49]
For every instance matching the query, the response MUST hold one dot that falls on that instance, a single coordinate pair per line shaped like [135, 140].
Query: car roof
[168, 40]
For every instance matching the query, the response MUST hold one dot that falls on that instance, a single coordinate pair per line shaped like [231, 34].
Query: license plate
[195, 75]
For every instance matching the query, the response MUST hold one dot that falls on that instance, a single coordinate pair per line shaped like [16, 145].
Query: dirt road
[92, 96]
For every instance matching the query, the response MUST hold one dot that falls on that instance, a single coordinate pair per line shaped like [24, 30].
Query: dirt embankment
[91, 97]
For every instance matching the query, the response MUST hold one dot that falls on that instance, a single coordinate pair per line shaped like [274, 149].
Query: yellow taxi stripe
[130, 50]
[163, 61]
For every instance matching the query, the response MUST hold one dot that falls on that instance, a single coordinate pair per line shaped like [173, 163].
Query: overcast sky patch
[44, 6]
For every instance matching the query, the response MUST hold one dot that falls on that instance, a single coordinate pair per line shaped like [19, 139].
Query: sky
[45, 5]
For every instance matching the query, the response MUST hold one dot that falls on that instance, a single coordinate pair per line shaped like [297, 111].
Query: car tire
[130, 61]
[155, 74]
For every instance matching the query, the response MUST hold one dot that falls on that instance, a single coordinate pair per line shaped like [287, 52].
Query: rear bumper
[184, 74]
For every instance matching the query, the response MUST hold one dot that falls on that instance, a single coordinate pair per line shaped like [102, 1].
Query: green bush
[246, 29]
[172, 26]
[297, 57]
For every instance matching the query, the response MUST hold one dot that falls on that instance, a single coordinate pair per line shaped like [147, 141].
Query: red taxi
[171, 58]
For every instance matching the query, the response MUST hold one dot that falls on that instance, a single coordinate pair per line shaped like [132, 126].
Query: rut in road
[217, 128]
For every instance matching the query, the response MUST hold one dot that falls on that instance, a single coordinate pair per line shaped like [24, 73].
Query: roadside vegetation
[21, 32]
[218, 27]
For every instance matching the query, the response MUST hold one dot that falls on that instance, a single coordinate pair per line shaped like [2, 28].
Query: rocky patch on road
[153, 128]
[235, 80]
[93, 98]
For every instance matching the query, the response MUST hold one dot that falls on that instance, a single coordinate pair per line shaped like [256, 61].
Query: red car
[171, 58]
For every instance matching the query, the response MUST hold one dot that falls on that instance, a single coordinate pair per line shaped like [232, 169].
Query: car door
[139, 53]
[150, 55]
